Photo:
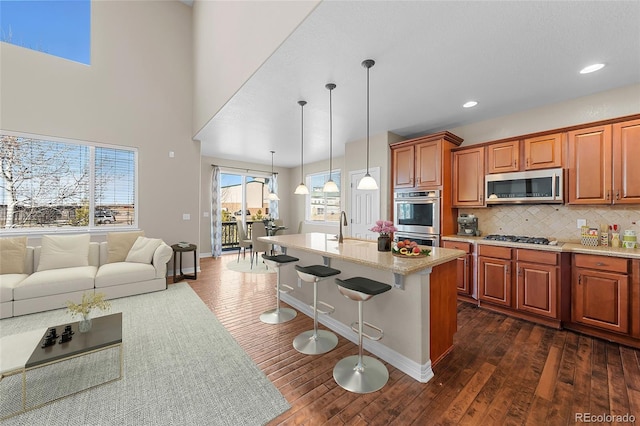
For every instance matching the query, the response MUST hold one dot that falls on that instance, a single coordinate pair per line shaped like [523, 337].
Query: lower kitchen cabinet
[494, 275]
[537, 287]
[600, 288]
[464, 264]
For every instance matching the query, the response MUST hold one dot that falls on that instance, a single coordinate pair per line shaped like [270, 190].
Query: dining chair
[258, 230]
[243, 241]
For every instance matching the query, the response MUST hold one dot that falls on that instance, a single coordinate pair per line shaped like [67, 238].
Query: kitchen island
[418, 315]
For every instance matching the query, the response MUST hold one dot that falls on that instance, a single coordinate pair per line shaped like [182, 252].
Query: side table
[178, 250]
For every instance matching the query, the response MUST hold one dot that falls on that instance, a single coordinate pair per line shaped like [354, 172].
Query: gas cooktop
[520, 239]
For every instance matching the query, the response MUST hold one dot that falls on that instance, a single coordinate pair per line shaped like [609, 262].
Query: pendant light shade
[368, 182]
[330, 185]
[272, 195]
[302, 188]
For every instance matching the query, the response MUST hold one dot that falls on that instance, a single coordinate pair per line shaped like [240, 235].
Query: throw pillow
[143, 249]
[12, 253]
[119, 244]
[64, 251]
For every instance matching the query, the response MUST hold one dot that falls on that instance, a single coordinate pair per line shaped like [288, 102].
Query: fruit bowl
[408, 249]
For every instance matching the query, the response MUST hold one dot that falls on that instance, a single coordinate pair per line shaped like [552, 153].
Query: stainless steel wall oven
[417, 212]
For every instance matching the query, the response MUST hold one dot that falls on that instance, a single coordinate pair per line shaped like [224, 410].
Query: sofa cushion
[143, 249]
[124, 273]
[64, 251]
[7, 283]
[12, 253]
[119, 244]
[56, 281]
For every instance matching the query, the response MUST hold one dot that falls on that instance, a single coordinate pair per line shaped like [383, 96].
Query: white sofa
[44, 286]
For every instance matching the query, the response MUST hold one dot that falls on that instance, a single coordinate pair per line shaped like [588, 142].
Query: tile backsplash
[549, 220]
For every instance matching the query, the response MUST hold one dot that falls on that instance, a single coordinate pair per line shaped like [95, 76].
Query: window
[46, 183]
[322, 206]
[60, 28]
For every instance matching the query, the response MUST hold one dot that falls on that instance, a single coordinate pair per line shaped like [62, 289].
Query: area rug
[245, 266]
[181, 367]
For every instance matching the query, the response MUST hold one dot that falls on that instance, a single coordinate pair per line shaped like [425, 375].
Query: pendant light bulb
[368, 182]
[272, 195]
[330, 185]
[302, 188]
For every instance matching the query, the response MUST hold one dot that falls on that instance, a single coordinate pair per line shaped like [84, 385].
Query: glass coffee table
[32, 376]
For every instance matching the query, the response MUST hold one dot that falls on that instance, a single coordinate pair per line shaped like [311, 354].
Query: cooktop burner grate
[518, 239]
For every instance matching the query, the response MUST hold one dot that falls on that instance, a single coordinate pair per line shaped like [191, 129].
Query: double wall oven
[417, 216]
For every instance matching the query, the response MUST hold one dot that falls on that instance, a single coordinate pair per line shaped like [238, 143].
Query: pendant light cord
[330, 136]
[302, 103]
[368, 120]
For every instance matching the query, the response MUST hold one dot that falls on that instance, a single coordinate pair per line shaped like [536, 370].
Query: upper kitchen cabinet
[468, 177]
[540, 152]
[503, 157]
[601, 164]
[543, 152]
[421, 163]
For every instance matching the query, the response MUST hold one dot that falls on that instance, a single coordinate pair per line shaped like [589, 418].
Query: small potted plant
[384, 228]
[89, 301]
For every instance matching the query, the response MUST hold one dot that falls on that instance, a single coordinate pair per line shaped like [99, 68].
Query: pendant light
[330, 185]
[367, 182]
[302, 188]
[272, 195]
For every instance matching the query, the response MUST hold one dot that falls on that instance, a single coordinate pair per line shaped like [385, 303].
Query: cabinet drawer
[537, 256]
[467, 247]
[604, 263]
[493, 251]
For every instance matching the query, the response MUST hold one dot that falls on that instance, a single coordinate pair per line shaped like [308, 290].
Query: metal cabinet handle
[601, 264]
[617, 194]
[579, 279]
[527, 162]
[608, 194]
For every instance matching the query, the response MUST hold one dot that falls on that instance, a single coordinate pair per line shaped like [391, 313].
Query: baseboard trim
[421, 372]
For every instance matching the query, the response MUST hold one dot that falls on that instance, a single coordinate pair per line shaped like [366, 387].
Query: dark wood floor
[501, 371]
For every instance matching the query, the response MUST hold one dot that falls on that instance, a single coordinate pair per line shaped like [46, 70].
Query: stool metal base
[322, 343]
[371, 376]
[278, 316]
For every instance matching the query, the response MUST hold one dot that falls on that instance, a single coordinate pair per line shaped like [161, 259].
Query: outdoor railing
[230, 234]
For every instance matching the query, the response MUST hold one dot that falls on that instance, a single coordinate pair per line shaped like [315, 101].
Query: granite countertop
[571, 247]
[363, 252]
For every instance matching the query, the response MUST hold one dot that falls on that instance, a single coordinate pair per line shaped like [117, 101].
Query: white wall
[610, 104]
[232, 39]
[137, 92]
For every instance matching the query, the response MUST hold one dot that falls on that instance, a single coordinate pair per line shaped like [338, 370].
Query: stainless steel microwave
[537, 186]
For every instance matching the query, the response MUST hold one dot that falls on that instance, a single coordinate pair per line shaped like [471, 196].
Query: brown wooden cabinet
[468, 177]
[537, 282]
[602, 164]
[464, 265]
[494, 275]
[600, 292]
[404, 167]
[539, 152]
[503, 157]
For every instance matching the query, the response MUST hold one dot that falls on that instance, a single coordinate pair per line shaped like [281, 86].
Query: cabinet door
[428, 164]
[543, 152]
[495, 280]
[403, 167]
[590, 165]
[626, 169]
[468, 178]
[537, 289]
[600, 299]
[503, 157]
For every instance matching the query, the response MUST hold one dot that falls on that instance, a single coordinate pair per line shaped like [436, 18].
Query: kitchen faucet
[342, 222]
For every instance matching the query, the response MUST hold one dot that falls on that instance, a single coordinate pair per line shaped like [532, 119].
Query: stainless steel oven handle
[553, 186]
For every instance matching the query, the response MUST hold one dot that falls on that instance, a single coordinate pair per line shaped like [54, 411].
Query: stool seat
[318, 270]
[364, 285]
[280, 258]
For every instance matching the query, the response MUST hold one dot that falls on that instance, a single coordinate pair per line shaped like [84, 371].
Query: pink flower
[384, 227]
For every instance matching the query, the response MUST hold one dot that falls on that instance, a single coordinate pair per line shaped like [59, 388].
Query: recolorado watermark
[604, 418]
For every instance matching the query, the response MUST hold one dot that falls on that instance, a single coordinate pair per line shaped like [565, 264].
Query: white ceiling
[431, 57]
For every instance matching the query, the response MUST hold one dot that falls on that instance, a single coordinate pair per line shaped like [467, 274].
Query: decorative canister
[615, 239]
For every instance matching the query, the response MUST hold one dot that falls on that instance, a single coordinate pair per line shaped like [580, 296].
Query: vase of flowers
[83, 309]
[384, 228]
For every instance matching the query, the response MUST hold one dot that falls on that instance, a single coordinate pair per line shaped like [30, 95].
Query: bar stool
[315, 342]
[277, 315]
[358, 373]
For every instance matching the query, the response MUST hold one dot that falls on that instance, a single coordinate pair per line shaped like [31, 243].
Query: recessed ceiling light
[469, 104]
[591, 68]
